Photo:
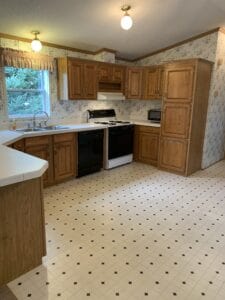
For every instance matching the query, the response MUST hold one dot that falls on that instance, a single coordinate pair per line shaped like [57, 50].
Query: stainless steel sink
[29, 129]
[55, 127]
[51, 127]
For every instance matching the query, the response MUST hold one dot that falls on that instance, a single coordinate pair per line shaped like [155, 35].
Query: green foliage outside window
[25, 91]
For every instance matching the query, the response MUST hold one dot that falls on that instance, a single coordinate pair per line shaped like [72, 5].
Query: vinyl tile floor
[133, 232]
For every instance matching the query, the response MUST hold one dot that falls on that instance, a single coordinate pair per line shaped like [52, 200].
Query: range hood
[110, 96]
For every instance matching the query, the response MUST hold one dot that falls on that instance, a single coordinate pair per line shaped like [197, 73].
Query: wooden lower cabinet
[19, 145]
[60, 152]
[146, 144]
[64, 149]
[173, 154]
[22, 229]
[148, 150]
[41, 147]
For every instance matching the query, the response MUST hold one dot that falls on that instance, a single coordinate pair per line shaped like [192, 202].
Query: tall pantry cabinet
[184, 111]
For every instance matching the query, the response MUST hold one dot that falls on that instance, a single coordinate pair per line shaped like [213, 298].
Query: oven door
[120, 141]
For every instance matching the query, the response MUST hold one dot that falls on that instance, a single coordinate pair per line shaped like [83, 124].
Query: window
[27, 91]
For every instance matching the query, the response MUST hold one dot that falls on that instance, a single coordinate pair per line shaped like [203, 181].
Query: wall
[211, 47]
[71, 111]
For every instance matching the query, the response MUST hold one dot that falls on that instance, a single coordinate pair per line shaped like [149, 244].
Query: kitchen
[191, 137]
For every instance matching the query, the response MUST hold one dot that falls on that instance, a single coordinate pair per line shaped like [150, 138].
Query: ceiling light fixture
[126, 21]
[36, 44]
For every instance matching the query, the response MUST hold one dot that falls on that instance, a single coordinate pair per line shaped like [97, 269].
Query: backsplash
[212, 48]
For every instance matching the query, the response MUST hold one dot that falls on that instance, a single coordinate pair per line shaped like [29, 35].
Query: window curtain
[23, 59]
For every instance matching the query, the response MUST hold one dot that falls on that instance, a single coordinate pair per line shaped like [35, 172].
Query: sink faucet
[38, 113]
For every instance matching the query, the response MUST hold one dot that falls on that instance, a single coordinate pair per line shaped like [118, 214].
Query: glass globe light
[126, 21]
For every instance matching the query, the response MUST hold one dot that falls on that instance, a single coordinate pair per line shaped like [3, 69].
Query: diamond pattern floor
[133, 232]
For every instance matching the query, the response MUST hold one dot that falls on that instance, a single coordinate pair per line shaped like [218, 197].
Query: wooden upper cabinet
[90, 81]
[118, 73]
[111, 77]
[176, 120]
[105, 72]
[179, 83]
[64, 149]
[151, 85]
[77, 79]
[134, 83]
[161, 78]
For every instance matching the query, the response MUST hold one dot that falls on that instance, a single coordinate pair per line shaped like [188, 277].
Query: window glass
[27, 91]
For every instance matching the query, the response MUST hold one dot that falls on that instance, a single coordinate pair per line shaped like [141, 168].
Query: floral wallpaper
[210, 47]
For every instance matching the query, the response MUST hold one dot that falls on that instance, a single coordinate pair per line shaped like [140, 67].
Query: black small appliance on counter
[154, 115]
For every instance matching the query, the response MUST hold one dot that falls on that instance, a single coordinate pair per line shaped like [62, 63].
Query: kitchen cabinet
[146, 144]
[173, 154]
[111, 77]
[22, 229]
[64, 149]
[152, 82]
[77, 79]
[184, 111]
[144, 83]
[134, 77]
[41, 147]
[59, 150]
[18, 145]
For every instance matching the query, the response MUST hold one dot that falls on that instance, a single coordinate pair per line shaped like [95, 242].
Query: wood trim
[222, 29]
[73, 49]
[106, 50]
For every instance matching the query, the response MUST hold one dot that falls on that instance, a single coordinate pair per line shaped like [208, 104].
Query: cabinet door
[173, 155]
[44, 152]
[19, 145]
[148, 148]
[90, 81]
[105, 72]
[176, 120]
[118, 73]
[151, 76]
[179, 84]
[64, 158]
[134, 83]
[75, 79]
[161, 78]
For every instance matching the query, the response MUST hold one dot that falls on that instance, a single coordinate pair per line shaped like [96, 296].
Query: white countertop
[17, 166]
[146, 123]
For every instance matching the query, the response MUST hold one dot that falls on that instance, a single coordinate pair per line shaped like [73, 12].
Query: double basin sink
[55, 127]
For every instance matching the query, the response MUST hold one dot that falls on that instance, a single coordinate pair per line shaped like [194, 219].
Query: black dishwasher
[90, 151]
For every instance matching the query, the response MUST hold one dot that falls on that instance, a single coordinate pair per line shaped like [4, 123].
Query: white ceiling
[94, 24]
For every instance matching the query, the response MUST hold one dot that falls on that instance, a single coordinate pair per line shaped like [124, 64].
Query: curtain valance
[23, 59]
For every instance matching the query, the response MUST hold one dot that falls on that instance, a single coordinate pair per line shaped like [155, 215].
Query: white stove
[118, 139]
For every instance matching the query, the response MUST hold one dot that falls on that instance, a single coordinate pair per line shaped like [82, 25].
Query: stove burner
[112, 123]
[104, 123]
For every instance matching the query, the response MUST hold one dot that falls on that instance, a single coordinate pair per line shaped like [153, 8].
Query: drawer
[150, 129]
[63, 137]
[37, 140]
